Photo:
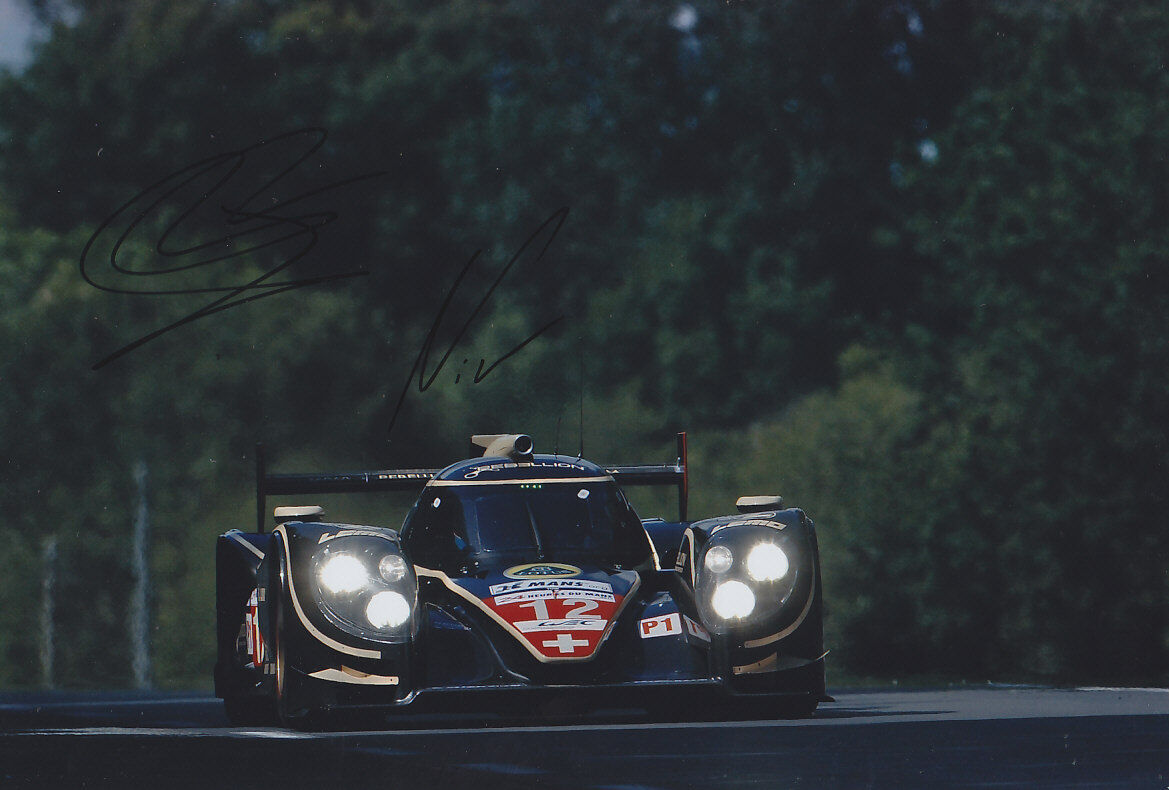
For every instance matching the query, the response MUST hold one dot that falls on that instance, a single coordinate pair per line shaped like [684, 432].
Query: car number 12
[578, 608]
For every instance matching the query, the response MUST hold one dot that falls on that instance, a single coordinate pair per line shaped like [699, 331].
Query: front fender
[780, 606]
[313, 639]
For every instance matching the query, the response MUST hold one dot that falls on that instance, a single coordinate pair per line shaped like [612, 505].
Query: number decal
[578, 608]
[539, 606]
[584, 607]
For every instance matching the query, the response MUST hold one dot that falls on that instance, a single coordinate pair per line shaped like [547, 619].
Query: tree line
[900, 262]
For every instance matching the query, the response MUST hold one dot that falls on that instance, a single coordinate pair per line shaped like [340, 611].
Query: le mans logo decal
[542, 570]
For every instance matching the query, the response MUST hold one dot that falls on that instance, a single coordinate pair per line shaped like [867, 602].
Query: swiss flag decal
[560, 619]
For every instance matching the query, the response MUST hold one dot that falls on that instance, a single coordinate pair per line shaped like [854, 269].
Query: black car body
[516, 577]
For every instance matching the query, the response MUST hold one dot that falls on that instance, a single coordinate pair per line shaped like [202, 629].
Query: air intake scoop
[516, 446]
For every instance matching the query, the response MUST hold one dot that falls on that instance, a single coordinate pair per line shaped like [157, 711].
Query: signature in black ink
[253, 218]
[554, 222]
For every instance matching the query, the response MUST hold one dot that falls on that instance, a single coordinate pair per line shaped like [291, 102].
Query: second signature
[534, 248]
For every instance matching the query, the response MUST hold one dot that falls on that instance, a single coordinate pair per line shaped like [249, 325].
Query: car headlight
[719, 559]
[732, 600]
[343, 573]
[365, 587]
[387, 609]
[392, 568]
[767, 562]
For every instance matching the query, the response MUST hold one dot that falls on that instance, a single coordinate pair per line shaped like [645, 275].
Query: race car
[516, 580]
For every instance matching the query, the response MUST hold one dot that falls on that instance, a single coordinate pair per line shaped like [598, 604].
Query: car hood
[558, 612]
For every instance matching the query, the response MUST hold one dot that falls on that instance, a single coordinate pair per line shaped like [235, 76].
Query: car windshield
[520, 522]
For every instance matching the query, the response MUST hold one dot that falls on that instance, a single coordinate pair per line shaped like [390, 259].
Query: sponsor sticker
[403, 476]
[563, 624]
[536, 595]
[345, 533]
[663, 625]
[695, 629]
[524, 595]
[474, 472]
[592, 595]
[750, 522]
[542, 570]
[580, 587]
[758, 522]
[254, 642]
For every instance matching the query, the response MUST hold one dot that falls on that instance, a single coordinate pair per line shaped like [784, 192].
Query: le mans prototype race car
[515, 577]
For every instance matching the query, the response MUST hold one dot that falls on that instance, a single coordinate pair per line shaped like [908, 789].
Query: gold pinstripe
[312, 629]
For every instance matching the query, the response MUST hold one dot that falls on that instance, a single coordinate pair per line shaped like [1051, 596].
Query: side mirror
[755, 504]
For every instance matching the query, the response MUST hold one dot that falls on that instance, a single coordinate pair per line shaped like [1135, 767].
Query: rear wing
[415, 479]
[675, 474]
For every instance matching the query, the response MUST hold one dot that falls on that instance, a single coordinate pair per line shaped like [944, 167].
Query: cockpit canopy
[478, 516]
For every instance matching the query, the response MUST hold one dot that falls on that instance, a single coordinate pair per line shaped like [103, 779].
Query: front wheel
[277, 585]
[286, 704]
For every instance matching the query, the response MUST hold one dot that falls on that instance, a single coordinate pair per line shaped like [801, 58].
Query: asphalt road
[983, 737]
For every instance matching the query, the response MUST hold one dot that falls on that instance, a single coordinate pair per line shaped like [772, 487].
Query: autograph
[555, 222]
[247, 229]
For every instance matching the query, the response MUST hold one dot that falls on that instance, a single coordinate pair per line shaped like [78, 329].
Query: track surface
[986, 737]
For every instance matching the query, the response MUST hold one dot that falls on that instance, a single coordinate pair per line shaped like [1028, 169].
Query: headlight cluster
[364, 586]
[741, 577]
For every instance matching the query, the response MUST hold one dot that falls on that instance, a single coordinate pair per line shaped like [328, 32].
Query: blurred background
[903, 262]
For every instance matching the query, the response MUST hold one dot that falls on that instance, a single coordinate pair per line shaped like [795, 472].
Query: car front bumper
[796, 684]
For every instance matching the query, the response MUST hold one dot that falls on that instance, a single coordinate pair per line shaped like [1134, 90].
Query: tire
[277, 585]
[287, 706]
